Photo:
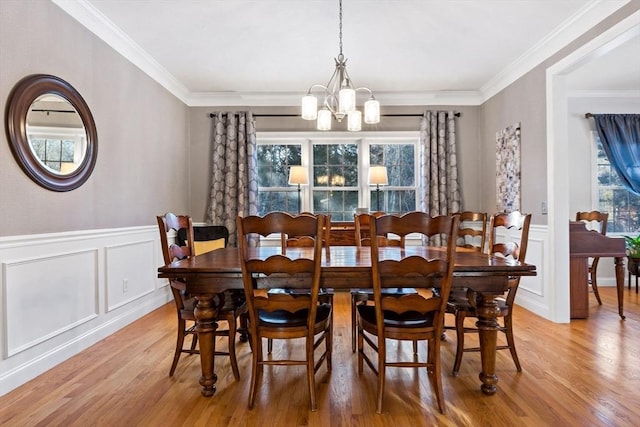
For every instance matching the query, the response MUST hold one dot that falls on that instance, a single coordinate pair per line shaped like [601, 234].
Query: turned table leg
[487, 324]
[206, 314]
[620, 284]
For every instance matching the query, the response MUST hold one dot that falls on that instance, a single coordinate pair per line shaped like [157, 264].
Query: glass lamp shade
[372, 111]
[378, 175]
[354, 122]
[309, 107]
[324, 119]
[347, 100]
[298, 175]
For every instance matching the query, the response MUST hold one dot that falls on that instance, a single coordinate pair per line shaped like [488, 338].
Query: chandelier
[340, 98]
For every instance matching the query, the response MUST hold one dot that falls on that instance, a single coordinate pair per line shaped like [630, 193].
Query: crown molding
[292, 99]
[583, 20]
[90, 17]
[635, 93]
[86, 14]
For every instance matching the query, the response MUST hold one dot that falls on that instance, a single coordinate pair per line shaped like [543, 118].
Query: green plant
[633, 246]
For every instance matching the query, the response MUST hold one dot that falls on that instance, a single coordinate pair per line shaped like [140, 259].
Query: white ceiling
[268, 52]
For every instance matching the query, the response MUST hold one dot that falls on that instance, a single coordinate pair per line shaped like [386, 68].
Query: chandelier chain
[340, 32]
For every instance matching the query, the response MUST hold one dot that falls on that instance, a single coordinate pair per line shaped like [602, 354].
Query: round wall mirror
[51, 132]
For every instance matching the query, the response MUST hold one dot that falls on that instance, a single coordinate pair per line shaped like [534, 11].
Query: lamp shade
[309, 107]
[378, 175]
[298, 175]
[354, 121]
[324, 119]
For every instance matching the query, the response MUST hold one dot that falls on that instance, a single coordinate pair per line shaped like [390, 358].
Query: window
[59, 149]
[338, 167]
[622, 205]
[274, 192]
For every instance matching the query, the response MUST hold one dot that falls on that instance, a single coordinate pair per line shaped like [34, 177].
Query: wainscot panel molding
[63, 292]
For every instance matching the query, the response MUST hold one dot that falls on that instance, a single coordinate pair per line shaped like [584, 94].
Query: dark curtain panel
[234, 185]
[620, 137]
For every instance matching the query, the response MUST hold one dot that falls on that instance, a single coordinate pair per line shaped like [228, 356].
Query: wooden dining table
[345, 267]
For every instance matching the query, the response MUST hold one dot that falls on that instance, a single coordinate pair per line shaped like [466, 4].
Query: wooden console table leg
[206, 314]
[620, 285]
[487, 324]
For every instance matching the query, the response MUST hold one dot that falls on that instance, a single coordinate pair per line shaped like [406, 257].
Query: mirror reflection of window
[56, 134]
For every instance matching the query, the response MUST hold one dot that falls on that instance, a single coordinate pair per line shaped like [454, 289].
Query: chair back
[594, 220]
[389, 271]
[169, 222]
[515, 221]
[289, 241]
[363, 233]
[298, 267]
[473, 230]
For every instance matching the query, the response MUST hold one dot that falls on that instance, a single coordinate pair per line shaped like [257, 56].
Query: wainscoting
[63, 292]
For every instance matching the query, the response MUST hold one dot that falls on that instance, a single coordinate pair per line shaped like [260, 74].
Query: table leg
[620, 284]
[206, 314]
[487, 324]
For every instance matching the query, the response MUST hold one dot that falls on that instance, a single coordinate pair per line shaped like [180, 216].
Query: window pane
[394, 201]
[38, 146]
[54, 148]
[67, 151]
[269, 201]
[399, 160]
[340, 204]
[621, 205]
[274, 162]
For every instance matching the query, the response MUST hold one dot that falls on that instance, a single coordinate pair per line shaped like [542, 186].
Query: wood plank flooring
[586, 373]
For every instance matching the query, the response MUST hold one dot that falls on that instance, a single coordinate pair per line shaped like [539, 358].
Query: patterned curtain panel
[234, 185]
[620, 137]
[439, 186]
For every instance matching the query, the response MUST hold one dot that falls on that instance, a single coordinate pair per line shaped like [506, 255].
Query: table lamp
[298, 175]
[378, 176]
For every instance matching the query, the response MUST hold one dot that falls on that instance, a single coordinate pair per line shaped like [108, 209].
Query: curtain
[620, 137]
[234, 185]
[439, 185]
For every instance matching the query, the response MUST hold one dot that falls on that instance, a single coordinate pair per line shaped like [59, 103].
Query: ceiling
[409, 52]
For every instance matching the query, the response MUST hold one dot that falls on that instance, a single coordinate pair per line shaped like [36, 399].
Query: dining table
[344, 268]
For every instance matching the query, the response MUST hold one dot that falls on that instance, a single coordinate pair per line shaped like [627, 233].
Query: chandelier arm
[315, 86]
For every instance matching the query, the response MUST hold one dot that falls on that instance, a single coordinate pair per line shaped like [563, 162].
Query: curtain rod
[586, 116]
[298, 115]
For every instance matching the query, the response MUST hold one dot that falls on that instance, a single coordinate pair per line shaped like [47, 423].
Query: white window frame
[364, 139]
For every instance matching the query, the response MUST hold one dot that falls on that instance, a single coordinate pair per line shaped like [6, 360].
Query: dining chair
[472, 230]
[363, 238]
[288, 241]
[416, 316]
[594, 221]
[464, 306]
[285, 315]
[472, 233]
[231, 304]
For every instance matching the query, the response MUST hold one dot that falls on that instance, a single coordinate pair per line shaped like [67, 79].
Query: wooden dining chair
[413, 317]
[473, 230]
[464, 306]
[472, 233]
[287, 241]
[594, 221]
[285, 315]
[231, 304]
[363, 238]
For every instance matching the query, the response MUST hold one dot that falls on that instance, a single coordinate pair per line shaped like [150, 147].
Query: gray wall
[200, 129]
[142, 164]
[524, 101]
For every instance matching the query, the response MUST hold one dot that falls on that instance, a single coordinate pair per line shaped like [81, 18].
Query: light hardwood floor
[586, 373]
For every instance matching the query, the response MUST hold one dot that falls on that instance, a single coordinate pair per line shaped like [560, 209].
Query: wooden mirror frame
[24, 93]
